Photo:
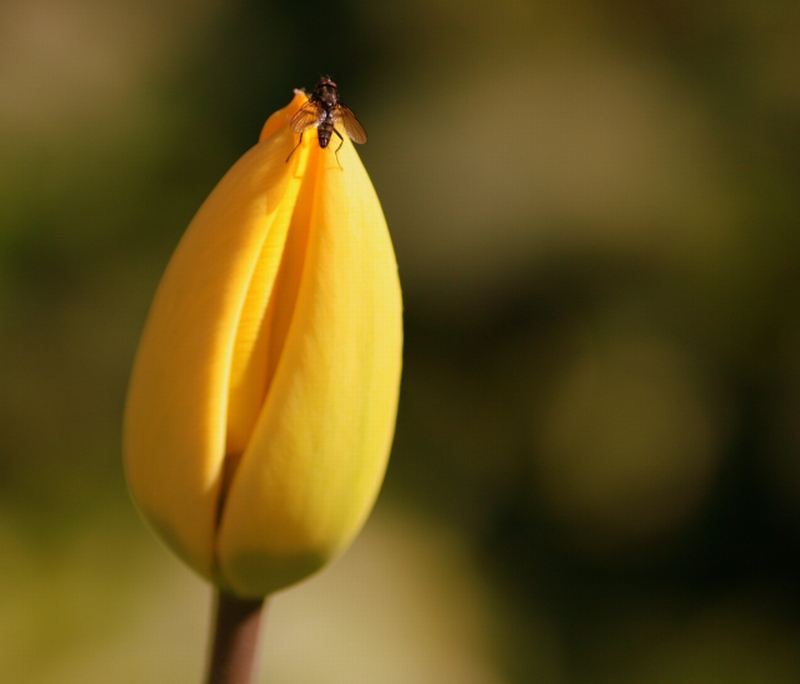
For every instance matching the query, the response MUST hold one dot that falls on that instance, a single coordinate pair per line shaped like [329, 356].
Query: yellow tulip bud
[262, 401]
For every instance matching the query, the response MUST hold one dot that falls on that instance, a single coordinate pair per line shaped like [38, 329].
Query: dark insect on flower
[325, 112]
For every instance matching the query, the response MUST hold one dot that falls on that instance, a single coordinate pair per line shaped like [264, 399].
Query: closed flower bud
[262, 401]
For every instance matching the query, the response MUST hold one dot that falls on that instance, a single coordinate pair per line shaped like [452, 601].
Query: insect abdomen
[324, 132]
[324, 136]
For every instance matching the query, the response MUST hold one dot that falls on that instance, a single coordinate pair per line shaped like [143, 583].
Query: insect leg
[341, 142]
[296, 146]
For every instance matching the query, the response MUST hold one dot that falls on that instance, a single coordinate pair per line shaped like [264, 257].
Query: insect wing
[351, 125]
[305, 117]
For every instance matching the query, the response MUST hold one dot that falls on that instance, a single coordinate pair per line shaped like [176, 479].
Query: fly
[325, 112]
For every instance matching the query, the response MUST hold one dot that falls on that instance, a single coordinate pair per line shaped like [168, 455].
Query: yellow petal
[313, 467]
[176, 412]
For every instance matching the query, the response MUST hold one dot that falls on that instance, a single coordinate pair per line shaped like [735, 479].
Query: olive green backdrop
[596, 212]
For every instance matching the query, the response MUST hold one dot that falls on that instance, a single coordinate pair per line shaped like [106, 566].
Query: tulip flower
[262, 401]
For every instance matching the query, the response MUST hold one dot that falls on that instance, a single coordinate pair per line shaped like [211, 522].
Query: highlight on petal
[262, 401]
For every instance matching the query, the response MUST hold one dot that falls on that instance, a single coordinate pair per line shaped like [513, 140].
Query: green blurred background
[596, 475]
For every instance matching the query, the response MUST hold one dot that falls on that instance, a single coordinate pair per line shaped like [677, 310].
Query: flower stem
[233, 651]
